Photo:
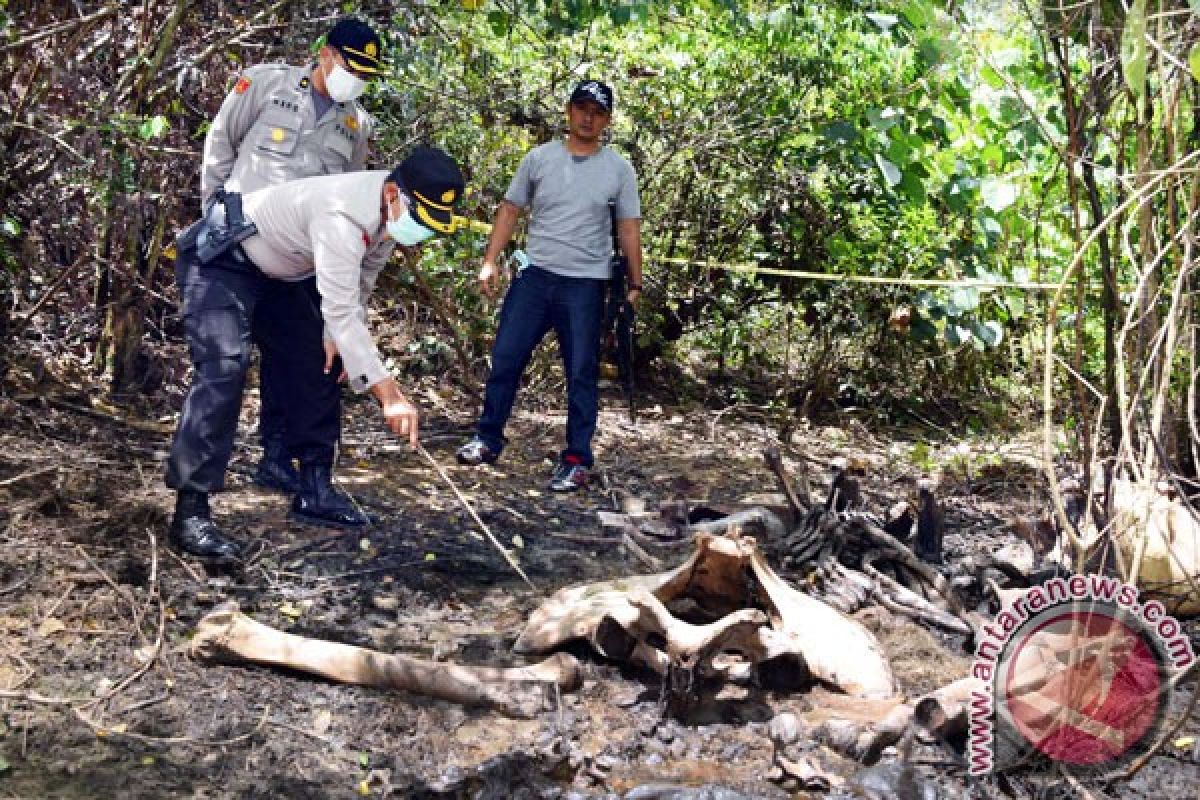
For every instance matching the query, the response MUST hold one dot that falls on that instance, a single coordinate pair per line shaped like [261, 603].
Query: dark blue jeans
[539, 301]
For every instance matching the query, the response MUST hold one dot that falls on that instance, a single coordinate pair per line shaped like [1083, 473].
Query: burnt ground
[99, 698]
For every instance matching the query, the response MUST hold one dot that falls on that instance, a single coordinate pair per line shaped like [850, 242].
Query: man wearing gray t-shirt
[567, 187]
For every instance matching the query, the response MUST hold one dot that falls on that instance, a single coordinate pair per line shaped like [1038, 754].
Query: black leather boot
[319, 503]
[276, 471]
[193, 531]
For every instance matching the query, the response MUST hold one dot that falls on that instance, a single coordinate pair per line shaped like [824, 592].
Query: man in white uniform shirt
[340, 229]
[281, 123]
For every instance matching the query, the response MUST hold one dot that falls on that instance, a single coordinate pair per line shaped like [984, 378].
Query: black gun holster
[222, 229]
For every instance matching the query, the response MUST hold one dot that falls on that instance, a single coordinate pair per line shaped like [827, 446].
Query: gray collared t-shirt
[570, 232]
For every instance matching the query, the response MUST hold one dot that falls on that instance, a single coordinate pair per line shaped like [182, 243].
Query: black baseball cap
[358, 44]
[595, 91]
[433, 181]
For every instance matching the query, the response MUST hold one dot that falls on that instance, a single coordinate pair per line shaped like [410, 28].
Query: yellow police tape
[747, 267]
[880, 279]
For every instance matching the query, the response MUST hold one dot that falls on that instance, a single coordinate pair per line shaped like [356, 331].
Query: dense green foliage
[840, 139]
[880, 145]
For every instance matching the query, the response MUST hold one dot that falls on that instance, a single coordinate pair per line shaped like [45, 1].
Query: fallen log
[230, 637]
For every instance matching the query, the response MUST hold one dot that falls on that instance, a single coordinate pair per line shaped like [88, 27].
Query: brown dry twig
[15, 585]
[512, 562]
[37, 473]
[799, 499]
[156, 648]
[64, 27]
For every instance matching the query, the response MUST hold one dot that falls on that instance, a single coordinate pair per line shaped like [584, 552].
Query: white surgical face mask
[406, 230]
[342, 86]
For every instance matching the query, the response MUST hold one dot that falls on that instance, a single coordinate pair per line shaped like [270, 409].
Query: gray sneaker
[475, 452]
[568, 476]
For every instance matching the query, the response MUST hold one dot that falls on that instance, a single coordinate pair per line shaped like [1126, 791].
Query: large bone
[942, 713]
[229, 636]
[838, 650]
[726, 576]
[690, 645]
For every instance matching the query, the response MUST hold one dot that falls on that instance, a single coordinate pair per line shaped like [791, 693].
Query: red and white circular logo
[1083, 684]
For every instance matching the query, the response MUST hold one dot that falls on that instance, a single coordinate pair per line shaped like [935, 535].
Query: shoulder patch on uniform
[352, 122]
[242, 85]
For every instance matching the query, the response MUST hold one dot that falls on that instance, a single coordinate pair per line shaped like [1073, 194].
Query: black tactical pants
[229, 305]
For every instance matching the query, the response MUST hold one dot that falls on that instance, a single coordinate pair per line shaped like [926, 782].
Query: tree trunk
[122, 293]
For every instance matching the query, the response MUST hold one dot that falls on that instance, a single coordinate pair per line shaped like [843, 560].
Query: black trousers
[228, 305]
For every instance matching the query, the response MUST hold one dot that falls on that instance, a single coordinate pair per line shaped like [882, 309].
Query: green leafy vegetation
[864, 206]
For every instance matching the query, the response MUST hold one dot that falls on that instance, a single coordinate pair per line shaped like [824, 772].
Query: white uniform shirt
[267, 132]
[331, 225]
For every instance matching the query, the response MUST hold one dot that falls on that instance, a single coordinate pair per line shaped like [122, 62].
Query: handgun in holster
[222, 229]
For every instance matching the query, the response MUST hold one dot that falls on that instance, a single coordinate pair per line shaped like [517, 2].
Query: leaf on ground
[51, 627]
[384, 602]
[289, 610]
[321, 721]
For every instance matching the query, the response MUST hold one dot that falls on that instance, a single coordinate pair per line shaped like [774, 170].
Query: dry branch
[800, 498]
[62, 27]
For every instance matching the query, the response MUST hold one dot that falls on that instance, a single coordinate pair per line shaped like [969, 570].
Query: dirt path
[99, 699]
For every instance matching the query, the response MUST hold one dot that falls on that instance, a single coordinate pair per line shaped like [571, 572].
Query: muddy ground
[98, 697]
